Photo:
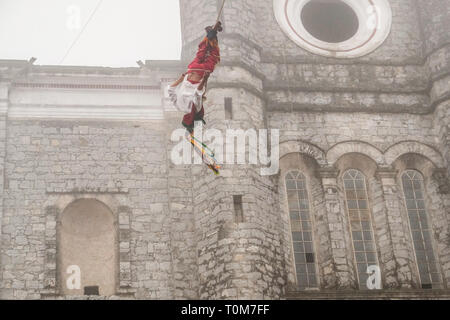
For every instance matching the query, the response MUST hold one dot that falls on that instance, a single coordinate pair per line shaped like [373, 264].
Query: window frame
[313, 227]
[429, 217]
[374, 240]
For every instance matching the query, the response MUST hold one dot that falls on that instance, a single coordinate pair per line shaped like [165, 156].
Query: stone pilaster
[435, 19]
[341, 254]
[184, 279]
[438, 193]
[4, 103]
[392, 231]
[442, 180]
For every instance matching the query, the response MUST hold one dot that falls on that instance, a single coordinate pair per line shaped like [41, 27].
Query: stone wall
[57, 158]
[178, 236]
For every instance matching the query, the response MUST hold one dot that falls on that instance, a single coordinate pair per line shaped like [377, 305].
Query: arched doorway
[87, 245]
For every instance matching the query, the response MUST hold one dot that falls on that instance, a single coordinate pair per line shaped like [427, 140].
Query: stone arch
[120, 208]
[308, 166]
[362, 206]
[87, 239]
[433, 205]
[340, 149]
[302, 147]
[396, 151]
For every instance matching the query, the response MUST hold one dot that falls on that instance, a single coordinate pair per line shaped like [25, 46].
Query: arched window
[301, 228]
[413, 191]
[87, 249]
[360, 223]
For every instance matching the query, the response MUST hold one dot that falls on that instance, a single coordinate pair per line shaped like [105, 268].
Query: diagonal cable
[81, 32]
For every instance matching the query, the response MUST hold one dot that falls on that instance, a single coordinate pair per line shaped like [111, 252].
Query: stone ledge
[119, 296]
[370, 295]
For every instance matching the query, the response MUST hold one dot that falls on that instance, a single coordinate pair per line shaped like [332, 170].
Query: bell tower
[350, 84]
[238, 239]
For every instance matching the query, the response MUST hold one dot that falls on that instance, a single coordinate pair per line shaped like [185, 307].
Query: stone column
[398, 254]
[341, 255]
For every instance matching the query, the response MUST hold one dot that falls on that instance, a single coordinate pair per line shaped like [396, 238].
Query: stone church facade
[364, 114]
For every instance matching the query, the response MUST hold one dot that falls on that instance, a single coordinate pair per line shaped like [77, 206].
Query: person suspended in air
[188, 92]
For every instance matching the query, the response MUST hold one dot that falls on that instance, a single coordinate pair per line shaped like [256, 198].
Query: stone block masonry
[69, 134]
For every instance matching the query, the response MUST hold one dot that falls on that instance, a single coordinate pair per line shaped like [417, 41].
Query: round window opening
[330, 20]
[335, 28]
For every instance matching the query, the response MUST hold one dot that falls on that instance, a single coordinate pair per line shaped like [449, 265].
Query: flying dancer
[188, 92]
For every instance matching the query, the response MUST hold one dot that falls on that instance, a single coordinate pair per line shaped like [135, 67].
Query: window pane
[295, 215]
[369, 246]
[290, 184]
[359, 214]
[307, 236]
[306, 225]
[367, 235]
[356, 225]
[366, 225]
[301, 268]
[301, 229]
[308, 247]
[298, 247]
[309, 257]
[357, 235]
[360, 257]
[359, 245]
[362, 268]
[297, 236]
[413, 192]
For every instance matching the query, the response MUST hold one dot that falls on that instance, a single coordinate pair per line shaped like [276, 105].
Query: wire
[81, 32]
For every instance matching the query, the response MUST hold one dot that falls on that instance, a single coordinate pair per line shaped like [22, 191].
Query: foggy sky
[121, 32]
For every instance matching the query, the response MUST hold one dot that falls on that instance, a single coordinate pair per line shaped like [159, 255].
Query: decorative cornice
[286, 85]
[328, 173]
[130, 113]
[237, 85]
[84, 86]
[386, 173]
[305, 107]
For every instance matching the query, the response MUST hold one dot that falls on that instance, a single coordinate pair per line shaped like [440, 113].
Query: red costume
[208, 55]
[187, 94]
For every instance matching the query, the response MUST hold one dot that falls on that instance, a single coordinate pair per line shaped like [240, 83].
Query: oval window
[330, 21]
[335, 28]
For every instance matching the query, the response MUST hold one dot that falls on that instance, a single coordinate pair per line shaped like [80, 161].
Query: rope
[220, 11]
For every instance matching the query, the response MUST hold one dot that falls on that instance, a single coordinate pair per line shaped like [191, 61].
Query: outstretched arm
[180, 79]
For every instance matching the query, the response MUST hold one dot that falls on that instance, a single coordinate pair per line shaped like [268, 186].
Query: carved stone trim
[441, 177]
[329, 179]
